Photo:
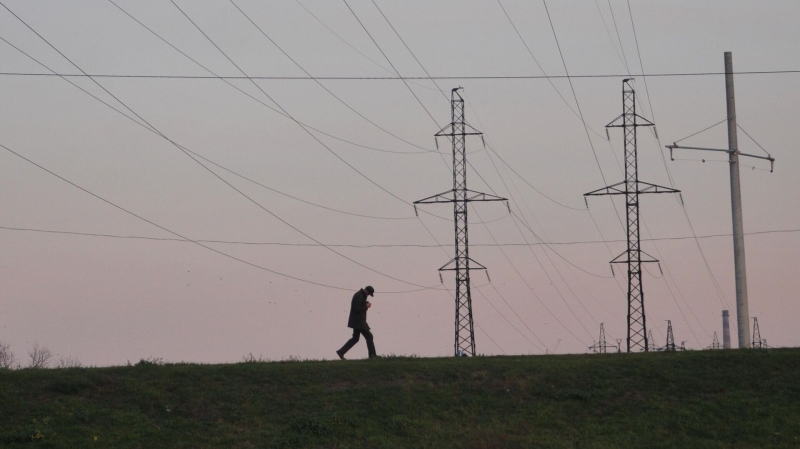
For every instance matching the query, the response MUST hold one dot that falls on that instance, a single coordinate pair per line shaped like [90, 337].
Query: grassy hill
[691, 399]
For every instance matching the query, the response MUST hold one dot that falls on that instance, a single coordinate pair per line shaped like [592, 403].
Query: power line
[208, 169]
[408, 245]
[393, 78]
[322, 85]
[226, 80]
[227, 169]
[181, 237]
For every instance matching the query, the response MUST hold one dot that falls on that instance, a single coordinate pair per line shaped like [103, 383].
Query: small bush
[40, 356]
[7, 359]
[68, 362]
[150, 361]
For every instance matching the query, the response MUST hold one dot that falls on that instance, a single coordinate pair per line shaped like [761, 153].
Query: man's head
[370, 291]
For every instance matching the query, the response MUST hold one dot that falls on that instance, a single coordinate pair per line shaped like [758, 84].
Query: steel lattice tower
[670, 346]
[758, 342]
[457, 131]
[601, 346]
[632, 188]
[715, 344]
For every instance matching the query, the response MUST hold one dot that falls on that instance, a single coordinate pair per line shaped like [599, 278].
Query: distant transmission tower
[671, 346]
[457, 131]
[601, 347]
[632, 188]
[715, 344]
[651, 342]
[758, 342]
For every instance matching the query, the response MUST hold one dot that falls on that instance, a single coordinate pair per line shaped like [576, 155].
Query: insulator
[416, 212]
[487, 276]
[437, 143]
[440, 278]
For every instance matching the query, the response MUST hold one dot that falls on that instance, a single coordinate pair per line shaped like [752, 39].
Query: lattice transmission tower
[457, 131]
[651, 342]
[758, 342]
[631, 187]
[715, 344]
[670, 345]
[601, 347]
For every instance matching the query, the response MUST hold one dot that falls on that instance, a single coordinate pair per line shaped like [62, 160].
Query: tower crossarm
[643, 257]
[449, 266]
[452, 196]
[619, 122]
[621, 188]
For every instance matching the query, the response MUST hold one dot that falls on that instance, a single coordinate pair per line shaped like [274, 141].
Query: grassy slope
[691, 399]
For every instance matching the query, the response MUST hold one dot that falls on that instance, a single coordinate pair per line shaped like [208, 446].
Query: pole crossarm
[768, 157]
[621, 188]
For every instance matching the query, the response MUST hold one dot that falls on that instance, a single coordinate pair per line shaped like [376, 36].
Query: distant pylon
[631, 187]
[715, 344]
[457, 131]
[758, 342]
[670, 346]
[601, 347]
[651, 341]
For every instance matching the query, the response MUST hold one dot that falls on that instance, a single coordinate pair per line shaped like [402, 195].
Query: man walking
[358, 322]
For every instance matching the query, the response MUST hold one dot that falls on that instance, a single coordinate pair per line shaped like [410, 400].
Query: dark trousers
[352, 342]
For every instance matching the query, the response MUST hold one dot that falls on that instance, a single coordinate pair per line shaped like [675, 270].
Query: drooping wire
[176, 234]
[369, 246]
[371, 122]
[226, 81]
[351, 46]
[546, 76]
[208, 169]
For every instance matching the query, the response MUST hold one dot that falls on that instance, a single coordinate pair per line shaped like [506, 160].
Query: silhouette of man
[358, 322]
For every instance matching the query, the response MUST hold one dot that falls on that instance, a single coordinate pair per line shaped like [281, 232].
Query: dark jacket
[358, 311]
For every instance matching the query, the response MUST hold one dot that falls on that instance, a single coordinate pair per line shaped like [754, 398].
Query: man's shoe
[341, 356]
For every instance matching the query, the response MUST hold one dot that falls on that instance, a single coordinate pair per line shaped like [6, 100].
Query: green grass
[690, 399]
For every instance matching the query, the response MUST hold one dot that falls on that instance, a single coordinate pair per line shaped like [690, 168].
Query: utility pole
[726, 330]
[742, 313]
[457, 131]
[631, 187]
[601, 346]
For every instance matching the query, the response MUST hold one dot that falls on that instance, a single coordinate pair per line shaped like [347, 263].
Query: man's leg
[350, 343]
[370, 345]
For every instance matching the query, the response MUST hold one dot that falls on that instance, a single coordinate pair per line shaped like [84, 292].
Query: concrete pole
[742, 313]
[726, 331]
